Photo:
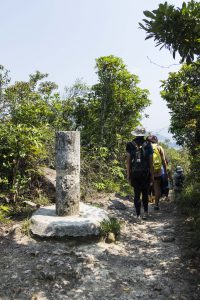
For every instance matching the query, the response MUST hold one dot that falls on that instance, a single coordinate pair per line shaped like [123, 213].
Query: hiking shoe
[138, 219]
[145, 216]
[156, 207]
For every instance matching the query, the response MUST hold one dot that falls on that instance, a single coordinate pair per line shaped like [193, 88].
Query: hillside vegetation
[32, 111]
[181, 90]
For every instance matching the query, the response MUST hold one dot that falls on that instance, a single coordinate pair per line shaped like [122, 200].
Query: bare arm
[162, 155]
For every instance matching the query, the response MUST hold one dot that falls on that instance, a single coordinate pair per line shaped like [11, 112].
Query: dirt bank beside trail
[150, 261]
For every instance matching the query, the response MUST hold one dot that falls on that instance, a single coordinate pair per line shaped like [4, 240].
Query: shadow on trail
[139, 266]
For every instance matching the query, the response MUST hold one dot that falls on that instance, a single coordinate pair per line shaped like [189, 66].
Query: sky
[64, 37]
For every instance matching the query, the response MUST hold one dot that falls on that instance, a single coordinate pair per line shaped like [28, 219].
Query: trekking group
[148, 171]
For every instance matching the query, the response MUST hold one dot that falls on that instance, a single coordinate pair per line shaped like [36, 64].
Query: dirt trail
[151, 260]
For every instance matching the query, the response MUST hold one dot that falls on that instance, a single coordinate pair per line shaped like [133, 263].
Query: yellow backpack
[157, 161]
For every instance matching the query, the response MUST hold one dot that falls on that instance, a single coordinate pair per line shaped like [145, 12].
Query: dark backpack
[179, 177]
[140, 168]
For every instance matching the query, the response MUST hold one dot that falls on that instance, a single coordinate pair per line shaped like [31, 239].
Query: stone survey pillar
[67, 172]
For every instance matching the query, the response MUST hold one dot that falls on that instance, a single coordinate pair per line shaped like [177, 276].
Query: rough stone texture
[138, 266]
[67, 172]
[46, 223]
[116, 204]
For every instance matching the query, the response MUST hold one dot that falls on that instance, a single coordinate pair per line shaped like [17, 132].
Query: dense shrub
[31, 112]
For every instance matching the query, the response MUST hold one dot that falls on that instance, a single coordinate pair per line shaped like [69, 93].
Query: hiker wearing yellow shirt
[159, 162]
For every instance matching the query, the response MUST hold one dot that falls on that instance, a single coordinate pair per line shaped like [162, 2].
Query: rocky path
[151, 260]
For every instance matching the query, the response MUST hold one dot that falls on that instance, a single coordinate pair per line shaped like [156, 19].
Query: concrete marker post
[67, 173]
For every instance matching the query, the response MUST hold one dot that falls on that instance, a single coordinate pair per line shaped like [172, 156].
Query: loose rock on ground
[151, 260]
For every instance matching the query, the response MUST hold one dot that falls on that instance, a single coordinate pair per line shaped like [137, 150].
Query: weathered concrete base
[46, 223]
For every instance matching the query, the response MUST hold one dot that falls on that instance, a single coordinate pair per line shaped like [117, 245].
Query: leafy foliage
[4, 212]
[106, 114]
[112, 225]
[177, 157]
[117, 98]
[177, 29]
[182, 93]
[31, 112]
[189, 204]
[24, 130]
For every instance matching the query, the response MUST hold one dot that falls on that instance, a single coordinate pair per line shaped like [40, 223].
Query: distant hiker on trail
[166, 181]
[140, 169]
[178, 179]
[159, 162]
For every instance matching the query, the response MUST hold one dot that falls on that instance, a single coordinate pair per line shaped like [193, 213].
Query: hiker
[178, 181]
[166, 181]
[159, 162]
[140, 169]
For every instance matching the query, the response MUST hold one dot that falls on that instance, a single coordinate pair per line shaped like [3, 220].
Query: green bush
[112, 225]
[4, 212]
[189, 203]
[100, 172]
[26, 227]
[22, 149]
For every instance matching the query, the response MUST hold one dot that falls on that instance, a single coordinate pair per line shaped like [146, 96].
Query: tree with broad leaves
[177, 29]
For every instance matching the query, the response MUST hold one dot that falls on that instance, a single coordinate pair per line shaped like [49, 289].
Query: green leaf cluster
[25, 114]
[4, 212]
[177, 157]
[177, 29]
[182, 93]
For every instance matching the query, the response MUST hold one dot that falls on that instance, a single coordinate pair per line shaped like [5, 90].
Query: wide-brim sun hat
[139, 131]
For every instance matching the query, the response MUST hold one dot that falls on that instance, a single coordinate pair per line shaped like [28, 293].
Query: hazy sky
[64, 37]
